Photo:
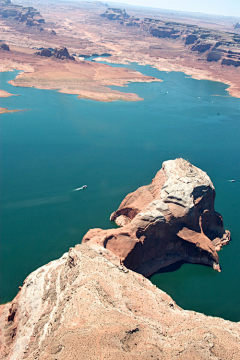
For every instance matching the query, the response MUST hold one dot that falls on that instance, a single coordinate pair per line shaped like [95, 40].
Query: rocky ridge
[215, 45]
[171, 219]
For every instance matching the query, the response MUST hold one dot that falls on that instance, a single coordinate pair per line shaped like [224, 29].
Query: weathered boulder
[86, 307]
[62, 53]
[171, 219]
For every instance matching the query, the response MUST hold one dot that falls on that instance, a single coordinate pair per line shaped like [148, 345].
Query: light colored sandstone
[85, 307]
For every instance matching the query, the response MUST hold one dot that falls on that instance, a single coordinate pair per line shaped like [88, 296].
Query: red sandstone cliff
[169, 220]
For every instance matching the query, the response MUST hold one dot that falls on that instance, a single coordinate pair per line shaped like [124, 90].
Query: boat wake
[81, 188]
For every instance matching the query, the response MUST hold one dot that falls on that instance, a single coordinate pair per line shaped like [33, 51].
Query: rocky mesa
[215, 45]
[171, 219]
[88, 305]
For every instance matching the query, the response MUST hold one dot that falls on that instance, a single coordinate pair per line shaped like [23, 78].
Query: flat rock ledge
[86, 307]
[171, 219]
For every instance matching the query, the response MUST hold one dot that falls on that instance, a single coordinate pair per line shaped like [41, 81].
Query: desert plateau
[120, 132]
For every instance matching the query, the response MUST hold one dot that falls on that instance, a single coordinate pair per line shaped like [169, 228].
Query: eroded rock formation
[62, 53]
[28, 15]
[201, 40]
[86, 307]
[59, 53]
[4, 47]
[171, 219]
[44, 52]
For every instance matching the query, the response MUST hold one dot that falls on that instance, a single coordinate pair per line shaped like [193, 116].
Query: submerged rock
[171, 219]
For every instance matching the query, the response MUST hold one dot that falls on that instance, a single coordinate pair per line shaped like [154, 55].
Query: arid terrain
[95, 302]
[210, 52]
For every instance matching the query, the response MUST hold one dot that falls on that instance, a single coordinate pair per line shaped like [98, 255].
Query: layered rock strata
[21, 14]
[171, 219]
[202, 40]
[86, 307]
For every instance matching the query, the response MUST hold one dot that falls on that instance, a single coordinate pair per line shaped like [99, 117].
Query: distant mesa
[115, 14]
[4, 47]
[170, 220]
[201, 47]
[214, 55]
[59, 53]
[27, 15]
[211, 44]
[190, 39]
[229, 62]
[44, 52]
[62, 53]
[236, 26]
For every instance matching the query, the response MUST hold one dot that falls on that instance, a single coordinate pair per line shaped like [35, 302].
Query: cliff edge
[171, 219]
[86, 307]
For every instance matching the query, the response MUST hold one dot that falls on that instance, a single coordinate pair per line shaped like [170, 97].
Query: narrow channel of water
[61, 143]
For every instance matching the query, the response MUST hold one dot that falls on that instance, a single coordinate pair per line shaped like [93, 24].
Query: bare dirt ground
[79, 27]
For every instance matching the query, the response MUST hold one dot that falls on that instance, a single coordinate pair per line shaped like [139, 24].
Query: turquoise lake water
[61, 143]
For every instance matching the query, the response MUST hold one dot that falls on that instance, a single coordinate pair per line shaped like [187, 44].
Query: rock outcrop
[4, 47]
[171, 219]
[86, 307]
[44, 52]
[198, 39]
[59, 53]
[62, 53]
[28, 15]
[162, 32]
[115, 14]
[214, 55]
[229, 62]
[201, 47]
